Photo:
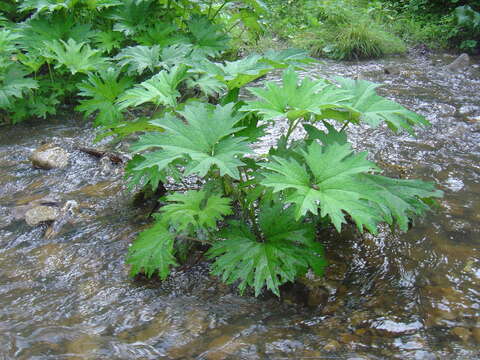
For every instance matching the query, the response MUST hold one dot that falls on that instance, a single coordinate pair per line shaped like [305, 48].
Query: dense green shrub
[59, 52]
[439, 24]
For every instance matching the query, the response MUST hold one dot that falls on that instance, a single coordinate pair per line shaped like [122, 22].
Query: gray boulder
[41, 213]
[460, 63]
[49, 156]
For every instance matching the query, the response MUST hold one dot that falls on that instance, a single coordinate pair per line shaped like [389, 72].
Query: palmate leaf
[139, 58]
[125, 128]
[333, 136]
[151, 177]
[176, 54]
[160, 89]
[401, 199]
[108, 40]
[196, 209]
[207, 84]
[237, 73]
[76, 57]
[131, 17]
[287, 250]
[207, 37]
[14, 84]
[36, 31]
[45, 5]
[289, 57]
[204, 139]
[152, 251]
[102, 89]
[337, 182]
[161, 33]
[366, 105]
[295, 100]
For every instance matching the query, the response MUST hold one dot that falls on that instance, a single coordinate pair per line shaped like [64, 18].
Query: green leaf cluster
[283, 197]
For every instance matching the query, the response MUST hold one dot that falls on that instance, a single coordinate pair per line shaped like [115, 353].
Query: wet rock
[331, 346]
[49, 156]
[476, 335]
[390, 70]
[469, 110]
[41, 214]
[83, 346]
[460, 63]
[317, 297]
[387, 327]
[424, 355]
[462, 333]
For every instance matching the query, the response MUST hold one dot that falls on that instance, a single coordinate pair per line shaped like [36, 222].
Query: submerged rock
[331, 346]
[462, 333]
[460, 63]
[40, 214]
[49, 156]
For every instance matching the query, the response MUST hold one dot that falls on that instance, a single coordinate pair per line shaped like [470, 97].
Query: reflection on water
[410, 296]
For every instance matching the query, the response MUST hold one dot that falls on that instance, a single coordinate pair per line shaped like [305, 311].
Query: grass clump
[351, 41]
[342, 30]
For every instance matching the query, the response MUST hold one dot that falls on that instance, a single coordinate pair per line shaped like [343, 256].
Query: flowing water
[67, 294]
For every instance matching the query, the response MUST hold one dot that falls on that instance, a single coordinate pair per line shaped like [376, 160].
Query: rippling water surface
[400, 296]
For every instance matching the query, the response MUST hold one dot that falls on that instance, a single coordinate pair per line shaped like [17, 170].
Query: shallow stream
[391, 296]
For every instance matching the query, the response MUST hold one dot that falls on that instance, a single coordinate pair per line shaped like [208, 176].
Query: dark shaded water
[401, 296]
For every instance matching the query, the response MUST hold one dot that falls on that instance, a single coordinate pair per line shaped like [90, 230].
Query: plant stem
[50, 72]
[235, 24]
[249, 211]
[219, 9]
[344, 126]
[209, 8]
[291, 128]
[195, 239]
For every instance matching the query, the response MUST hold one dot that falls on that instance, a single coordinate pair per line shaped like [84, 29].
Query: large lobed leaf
[294, 99]
[196, 209]
[139, 58]
[208, 38]
[152, 251]
[76, 57]
[160, 89]
[205, 138]
[366, 105]
[101, 91]
[337, 182]
[14, 84]
[288, 249]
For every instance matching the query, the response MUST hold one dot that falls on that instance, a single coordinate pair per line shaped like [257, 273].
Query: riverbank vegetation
[167, 72]
[348, 29]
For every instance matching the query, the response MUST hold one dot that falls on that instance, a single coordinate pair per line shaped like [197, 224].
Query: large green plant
[280, 198]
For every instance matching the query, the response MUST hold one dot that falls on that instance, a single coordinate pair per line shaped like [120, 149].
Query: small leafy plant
[259, 213]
